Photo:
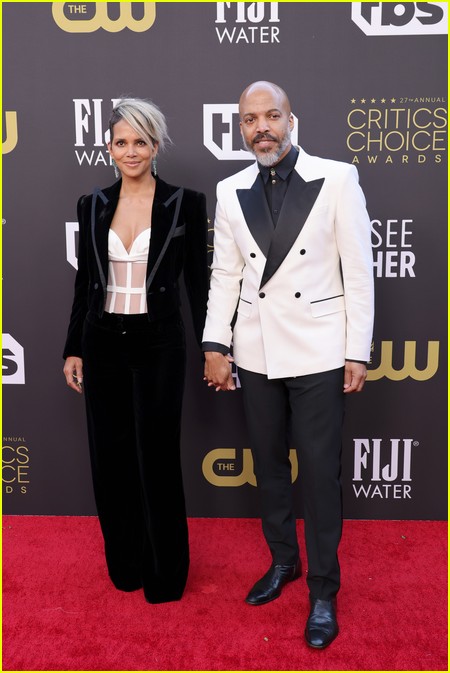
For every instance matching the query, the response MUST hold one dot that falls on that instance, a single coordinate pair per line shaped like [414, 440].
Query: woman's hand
[73, 371]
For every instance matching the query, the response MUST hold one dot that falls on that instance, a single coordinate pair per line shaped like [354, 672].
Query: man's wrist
[212, 347]
[213, 355]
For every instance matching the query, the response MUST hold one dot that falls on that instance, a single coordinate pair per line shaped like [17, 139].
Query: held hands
[355, 375]
[218, 371]
[73, 371]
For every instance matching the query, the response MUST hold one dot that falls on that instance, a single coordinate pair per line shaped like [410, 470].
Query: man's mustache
[263, 136]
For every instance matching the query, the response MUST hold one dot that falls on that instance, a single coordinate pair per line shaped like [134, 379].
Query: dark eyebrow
[138, 139]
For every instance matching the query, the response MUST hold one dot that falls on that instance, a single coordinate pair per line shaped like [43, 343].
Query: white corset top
[126, 292]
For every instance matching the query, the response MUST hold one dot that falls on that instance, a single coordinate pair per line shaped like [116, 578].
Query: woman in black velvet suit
[126, 348]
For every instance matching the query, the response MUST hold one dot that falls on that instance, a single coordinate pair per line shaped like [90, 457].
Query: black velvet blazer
[178, 243]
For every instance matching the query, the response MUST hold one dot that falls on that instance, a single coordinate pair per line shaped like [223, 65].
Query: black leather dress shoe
[269, 587]
[321, 627]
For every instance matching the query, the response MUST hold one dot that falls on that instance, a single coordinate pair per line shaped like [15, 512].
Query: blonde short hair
[144, 117]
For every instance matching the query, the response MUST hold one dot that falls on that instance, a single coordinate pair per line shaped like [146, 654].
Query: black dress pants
[134, 373]
[305, 413]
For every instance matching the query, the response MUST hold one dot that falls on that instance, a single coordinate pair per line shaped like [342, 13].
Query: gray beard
[269, 159]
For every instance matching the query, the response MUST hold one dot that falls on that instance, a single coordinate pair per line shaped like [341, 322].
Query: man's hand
[218, 371]
[355, 375]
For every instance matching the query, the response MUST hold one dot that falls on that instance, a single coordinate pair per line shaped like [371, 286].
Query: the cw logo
[11, 132]
[221, 460]
[73, 24]
[409, 368]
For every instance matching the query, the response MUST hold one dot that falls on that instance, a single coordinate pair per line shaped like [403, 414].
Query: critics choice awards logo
[397, 130]
[15, 465]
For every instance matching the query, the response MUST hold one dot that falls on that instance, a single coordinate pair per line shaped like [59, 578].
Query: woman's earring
[116, 170]
[154, 166]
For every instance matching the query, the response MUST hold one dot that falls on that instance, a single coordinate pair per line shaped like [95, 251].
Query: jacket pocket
[179, 231]
[245, 307]
[329, 305]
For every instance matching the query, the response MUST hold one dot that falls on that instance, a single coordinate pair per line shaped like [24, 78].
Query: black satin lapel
[254, 206]
[165, 217]
[300, 198]
[161, 221]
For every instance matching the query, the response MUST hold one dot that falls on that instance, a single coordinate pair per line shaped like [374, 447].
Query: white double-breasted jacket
[304, 290]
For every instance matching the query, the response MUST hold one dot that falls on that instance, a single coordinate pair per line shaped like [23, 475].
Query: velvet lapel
[254, 206]
[165, 216]
[300, 198]
[104, 204]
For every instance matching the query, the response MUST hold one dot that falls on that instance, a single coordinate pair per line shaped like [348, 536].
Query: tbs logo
[13, 361]
[400, 18]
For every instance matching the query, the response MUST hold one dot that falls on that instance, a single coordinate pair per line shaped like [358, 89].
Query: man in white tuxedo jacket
[292, 291]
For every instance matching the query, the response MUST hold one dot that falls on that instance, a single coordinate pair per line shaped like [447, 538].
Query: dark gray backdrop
[367, 82]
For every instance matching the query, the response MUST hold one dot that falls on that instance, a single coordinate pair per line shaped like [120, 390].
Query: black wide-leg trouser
[305, 413]
[134, 373]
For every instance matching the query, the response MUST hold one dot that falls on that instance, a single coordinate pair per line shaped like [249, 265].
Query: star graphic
[373, 100]
[393, 100]
[363, 100]
[383, 100]
[353, 100]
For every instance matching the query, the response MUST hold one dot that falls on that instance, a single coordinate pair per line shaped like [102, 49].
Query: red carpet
[60, 611]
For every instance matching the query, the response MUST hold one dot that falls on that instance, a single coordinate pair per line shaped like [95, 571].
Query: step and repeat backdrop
[367, 84]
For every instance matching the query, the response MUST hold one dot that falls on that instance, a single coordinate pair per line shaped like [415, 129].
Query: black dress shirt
[276, 179]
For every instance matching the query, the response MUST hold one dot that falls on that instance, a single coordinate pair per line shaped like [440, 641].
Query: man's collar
[283, 168]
